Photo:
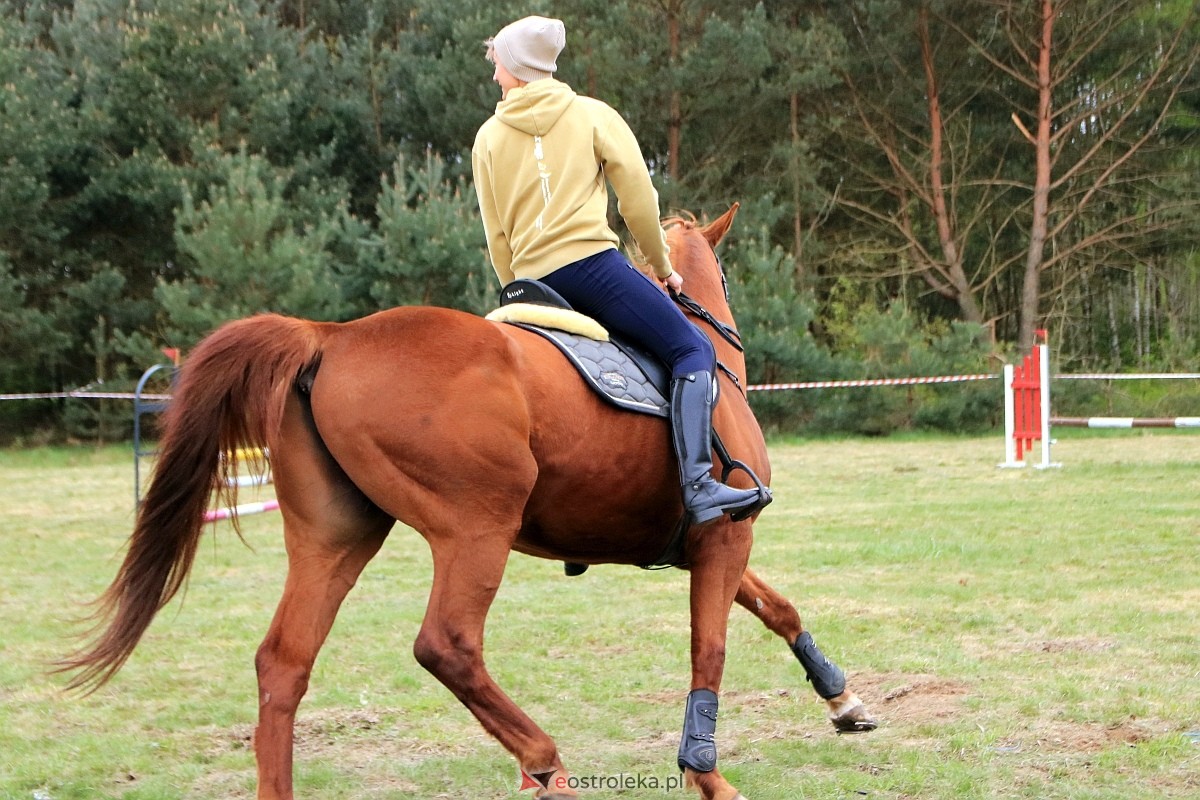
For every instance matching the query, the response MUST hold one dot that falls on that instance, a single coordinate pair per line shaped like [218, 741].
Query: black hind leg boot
[705, 498]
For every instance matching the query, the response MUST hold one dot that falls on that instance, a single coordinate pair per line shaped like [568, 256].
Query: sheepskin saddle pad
[621, 373]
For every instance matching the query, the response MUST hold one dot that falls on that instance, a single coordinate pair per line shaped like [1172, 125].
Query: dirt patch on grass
[1076, 645]
[894, 698]
[666, 697]
[747, 717]
[320, 730]
[910, 699]
[363, 743]
[1080, 737]
[732, 698]
[985, 648]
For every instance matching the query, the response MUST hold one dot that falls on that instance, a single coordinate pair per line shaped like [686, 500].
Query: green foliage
[1126, 398]
[895, 343]
[429, 249]
[774, 319]
[862, 337]
[253, 246]
[170, 164]
[32, 345]
[35, 129]
[27, 333]
[35, 126]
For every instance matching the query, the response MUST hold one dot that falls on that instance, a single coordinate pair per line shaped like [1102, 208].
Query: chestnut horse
[479, 436]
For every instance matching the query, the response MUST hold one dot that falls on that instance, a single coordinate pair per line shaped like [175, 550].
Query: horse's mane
[683, 219]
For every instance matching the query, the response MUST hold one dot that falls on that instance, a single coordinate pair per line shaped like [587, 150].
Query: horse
[477, 435]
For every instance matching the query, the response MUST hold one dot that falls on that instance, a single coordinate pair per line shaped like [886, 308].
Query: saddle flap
[613, 371]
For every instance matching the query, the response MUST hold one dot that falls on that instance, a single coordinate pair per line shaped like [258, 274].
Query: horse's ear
[715, 231]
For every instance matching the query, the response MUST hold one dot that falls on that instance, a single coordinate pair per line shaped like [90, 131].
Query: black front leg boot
[698, 747]
[826, 677]
[705, 498]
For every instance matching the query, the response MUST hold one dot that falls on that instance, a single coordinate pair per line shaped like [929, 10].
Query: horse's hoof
[854, 720]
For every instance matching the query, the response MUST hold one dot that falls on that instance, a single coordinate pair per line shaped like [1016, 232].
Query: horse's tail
[230, 394]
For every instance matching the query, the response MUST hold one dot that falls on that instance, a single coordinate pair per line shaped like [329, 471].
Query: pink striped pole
[261, 457]
[243, 510]
[770, 387]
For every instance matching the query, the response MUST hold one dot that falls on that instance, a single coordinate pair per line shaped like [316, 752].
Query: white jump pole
[1044, 379]
[1010, 426]
[1127, 422]
[244, 481]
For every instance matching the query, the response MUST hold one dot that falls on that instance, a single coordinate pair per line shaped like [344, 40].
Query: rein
[725, 331]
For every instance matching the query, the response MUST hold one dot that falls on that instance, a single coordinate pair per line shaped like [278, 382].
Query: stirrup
[729, 465]
[762, 501]
[704, 508]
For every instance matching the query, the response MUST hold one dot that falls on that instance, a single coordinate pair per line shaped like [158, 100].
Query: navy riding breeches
[612, 291]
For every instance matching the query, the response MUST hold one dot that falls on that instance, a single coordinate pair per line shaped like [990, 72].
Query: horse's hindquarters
[423, 409]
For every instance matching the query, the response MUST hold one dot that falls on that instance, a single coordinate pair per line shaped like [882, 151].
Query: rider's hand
[674, 281]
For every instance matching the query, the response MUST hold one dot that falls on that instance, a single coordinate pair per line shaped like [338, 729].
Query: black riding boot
[705, 498]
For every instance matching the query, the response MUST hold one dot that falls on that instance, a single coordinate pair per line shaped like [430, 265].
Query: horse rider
[541, 164]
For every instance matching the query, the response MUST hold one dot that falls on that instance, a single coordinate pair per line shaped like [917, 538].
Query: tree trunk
[1031, 285]
[951, 255]
[675, 111]
[797, 219]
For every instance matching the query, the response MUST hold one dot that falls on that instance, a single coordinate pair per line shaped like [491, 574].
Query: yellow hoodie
[540, 166]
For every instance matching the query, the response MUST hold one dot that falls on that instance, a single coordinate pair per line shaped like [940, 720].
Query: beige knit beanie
[528, 47]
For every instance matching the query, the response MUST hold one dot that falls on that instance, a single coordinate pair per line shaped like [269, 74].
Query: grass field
[1019, 634]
